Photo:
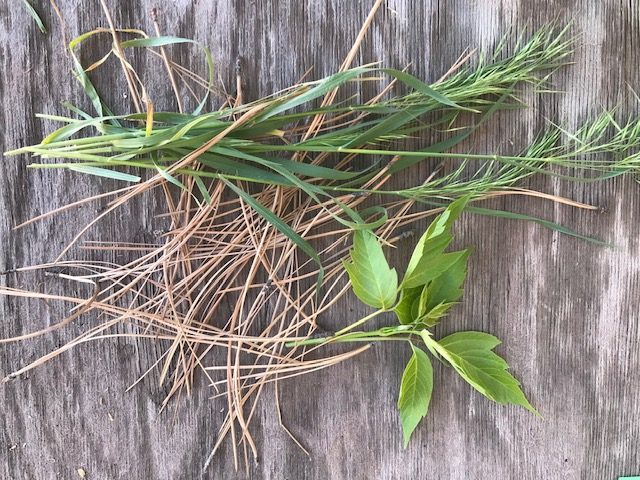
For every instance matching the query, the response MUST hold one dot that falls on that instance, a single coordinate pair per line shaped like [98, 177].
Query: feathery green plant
[253, 151]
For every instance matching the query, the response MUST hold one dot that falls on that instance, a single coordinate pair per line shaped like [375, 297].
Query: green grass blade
[104, 172]
[321, 88]
[422, 87]
[540, 221]
[169, 178]
[155, 41]
[36, 18]
[203, 189]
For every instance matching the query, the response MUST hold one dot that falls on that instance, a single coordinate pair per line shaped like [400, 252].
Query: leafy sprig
[431, 286]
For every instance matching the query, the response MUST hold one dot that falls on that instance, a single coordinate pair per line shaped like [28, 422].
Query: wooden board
[566, 310]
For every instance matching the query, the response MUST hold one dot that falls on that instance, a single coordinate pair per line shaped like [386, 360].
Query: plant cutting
[431, 286]
[261, 197]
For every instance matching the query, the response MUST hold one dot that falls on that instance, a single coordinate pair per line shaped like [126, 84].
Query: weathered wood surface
[566, 310]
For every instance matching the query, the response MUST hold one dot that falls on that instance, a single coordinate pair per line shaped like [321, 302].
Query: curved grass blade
[161, 41]
[322, 87]
[540, 221]
[419, 86]
[36, 18]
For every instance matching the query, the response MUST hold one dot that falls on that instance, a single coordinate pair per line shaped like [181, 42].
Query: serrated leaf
[446, 288]
[403, 309]
[415, 392]
[372, 280]
[427, 246]
[433, 242]
[433, 316]
[431, 266]
[471, 355]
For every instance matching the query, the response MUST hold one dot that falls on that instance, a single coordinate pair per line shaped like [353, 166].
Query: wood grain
[566, 310]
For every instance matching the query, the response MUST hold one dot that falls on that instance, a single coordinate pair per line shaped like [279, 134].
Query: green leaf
[447, 286]
[63, 133]
[471, 355]
[432, 317]
[168, 177]
[203, 189]
[403, 309]
[373, 281]
[422, 87]
[442, 293]
[431, 266]
[155, 41]
[434, 240]
[429, 302]
[415, 392]
[429, 342]
[318, 89]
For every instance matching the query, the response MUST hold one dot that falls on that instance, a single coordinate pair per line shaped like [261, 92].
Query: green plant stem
[381, 335]
[359, 322]
[345, 339]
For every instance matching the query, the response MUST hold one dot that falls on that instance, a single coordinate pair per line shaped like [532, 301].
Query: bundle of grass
[263, 199]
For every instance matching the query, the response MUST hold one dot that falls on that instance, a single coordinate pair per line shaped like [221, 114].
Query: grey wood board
[565, 309]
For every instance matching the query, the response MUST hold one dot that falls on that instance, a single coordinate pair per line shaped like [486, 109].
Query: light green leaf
[203, 189]
[433, 242]
[441, 293]
[429, 342]
[433, 316]
[373, 281]
[403, 309]
[415, 392]
[431, 266]
[317, 89]
[422, 87]
[446, 288]
[471, 355]
[168, 177]
[155, 41]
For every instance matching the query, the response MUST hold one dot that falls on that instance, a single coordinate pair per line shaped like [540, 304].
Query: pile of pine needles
[262, 199]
